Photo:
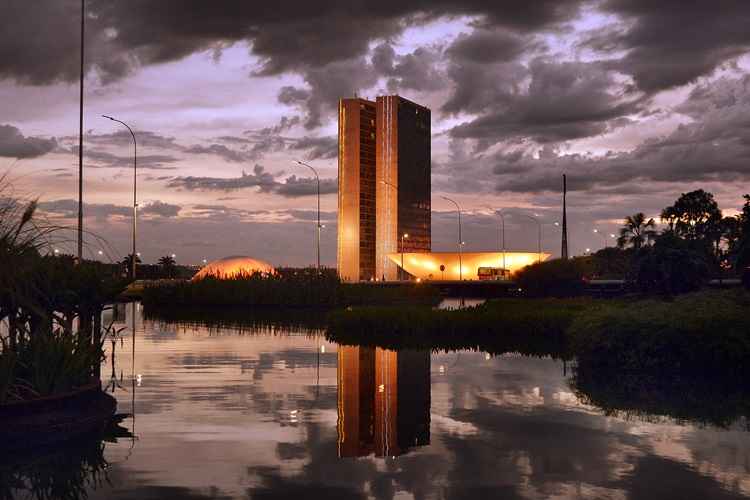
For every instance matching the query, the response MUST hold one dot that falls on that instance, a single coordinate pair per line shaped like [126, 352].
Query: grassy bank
[705, 335]
[702, 334]
[535, 327]
[293, 289]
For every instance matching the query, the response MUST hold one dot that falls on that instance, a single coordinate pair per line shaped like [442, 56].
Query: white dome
[236, 265]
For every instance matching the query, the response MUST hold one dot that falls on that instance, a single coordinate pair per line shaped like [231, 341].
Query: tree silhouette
[636, 231]
[168, 265]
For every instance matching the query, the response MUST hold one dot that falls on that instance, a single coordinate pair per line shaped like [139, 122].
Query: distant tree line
[696, 244]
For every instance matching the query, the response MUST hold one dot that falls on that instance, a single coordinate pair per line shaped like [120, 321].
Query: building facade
[383, 401]
[383, 197]
[357, 186]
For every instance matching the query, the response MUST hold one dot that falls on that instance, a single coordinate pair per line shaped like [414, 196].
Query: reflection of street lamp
[135, 177]
[460, 241]
[403, 236]
[317, 179]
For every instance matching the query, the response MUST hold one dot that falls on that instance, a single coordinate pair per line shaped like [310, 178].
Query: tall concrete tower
[403, 173]
[384, 185]
[355, 252]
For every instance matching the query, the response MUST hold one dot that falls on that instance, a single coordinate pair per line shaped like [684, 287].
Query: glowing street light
[460, 240]
[317, 179]
[135, 198]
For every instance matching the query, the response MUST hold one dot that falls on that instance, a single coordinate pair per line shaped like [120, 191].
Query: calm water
[272, 413]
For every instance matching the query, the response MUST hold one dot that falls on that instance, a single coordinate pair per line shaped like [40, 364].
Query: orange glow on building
[230, 267]
[383, 401]
[384, 185]
[426, 266]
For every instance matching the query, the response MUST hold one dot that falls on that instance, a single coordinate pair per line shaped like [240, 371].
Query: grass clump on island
[285, 288]
[535, 327]
[706, 332]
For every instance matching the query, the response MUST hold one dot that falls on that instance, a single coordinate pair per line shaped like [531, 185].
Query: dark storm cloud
[220, 150]
[325, 42]
[103, 159]
[563, 101]
[415, 71]
[328, 84]
[13, 144]
[671, 43]
[260, 178]
[318, 148]
[161, 209]
[713, 148]
[294, 35]
[295, 186]
[145, 138]
[68, 208]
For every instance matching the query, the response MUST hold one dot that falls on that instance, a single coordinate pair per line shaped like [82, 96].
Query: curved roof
[426, 265]
[232, 266]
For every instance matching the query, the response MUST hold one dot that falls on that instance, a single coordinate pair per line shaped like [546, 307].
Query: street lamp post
[501, 233]
[539, 235]
[80, 139]
[135, 193]
[317, 179]
[460, 240]
[403, 236]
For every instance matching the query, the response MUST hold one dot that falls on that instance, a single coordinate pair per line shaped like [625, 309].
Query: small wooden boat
[57, 418]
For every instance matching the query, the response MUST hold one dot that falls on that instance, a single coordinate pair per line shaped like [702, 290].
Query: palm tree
[128, 261]
[636, 231]
[167, 263]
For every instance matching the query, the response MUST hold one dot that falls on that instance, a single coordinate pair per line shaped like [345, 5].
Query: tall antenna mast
[564, 251]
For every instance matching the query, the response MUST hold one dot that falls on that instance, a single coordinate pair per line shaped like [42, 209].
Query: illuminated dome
[236, 265]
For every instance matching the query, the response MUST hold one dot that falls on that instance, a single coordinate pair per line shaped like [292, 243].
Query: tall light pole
[317, 179]
[539, 234]
[501, 231]
[403, 236]
[135, 192]
[460, 240]
[80, 140]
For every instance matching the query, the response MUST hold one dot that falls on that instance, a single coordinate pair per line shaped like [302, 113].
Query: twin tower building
[384, 185]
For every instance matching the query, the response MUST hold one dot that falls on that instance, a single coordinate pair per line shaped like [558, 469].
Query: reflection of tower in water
[383, 401]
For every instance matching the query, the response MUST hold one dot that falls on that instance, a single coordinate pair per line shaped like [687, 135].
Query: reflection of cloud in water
[215, 418]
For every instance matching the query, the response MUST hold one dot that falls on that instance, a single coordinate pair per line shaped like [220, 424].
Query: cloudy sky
[636, 100]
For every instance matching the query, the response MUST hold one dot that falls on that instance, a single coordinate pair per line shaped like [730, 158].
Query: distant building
[444, 265]
[384, 185]
[383, 401]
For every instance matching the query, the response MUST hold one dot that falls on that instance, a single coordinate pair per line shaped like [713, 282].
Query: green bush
[705, 334]
[535, 327]
[671, 266]
[555, 278]
[302, 288]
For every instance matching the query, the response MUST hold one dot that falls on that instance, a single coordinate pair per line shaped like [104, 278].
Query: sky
[636, 101]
